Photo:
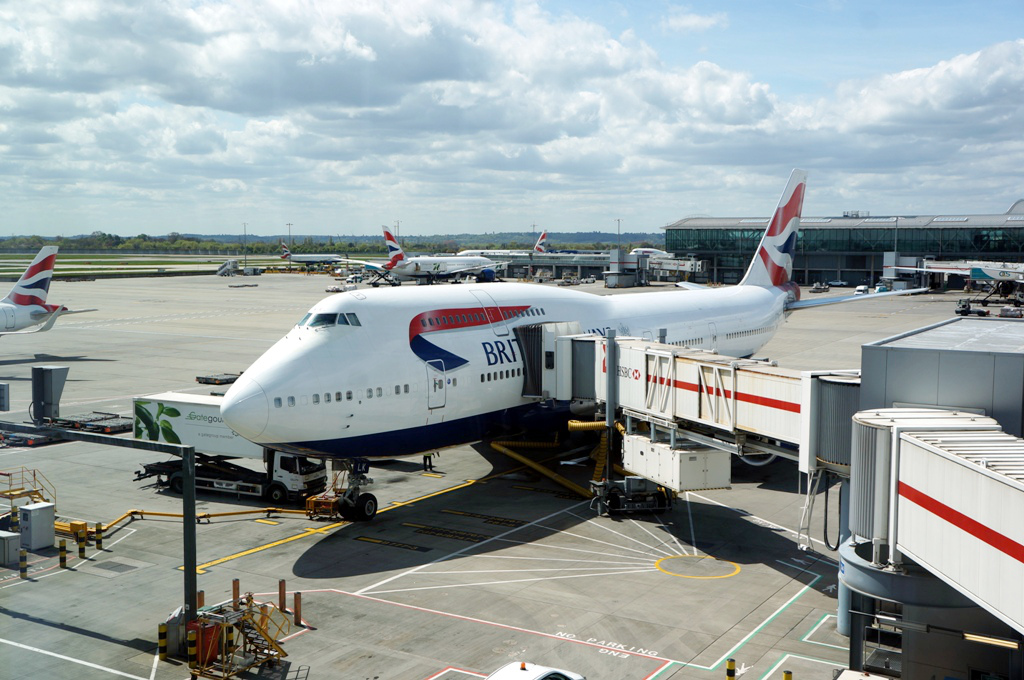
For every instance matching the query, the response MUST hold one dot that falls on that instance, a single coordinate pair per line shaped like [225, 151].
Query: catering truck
[194, 420]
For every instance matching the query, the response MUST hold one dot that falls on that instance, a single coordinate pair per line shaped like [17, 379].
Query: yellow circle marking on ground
[660, 565]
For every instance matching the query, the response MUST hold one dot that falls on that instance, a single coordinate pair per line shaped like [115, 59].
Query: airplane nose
[245, 408]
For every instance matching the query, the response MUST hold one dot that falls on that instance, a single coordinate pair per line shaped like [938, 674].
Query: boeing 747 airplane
[391, 372]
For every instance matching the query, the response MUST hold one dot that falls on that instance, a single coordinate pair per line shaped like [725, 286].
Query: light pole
[289, 225]
[398, 234]
[618, 239]
[245, 251]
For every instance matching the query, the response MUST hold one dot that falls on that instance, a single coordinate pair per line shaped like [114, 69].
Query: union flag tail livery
[25, 309]
[285, 253]
[542, 244]
[773, 262]
[395, 252]
[34, 284]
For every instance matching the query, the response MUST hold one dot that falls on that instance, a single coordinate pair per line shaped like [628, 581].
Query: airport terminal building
[850, 247]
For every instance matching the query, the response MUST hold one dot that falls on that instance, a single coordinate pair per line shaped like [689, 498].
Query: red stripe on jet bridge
[1000, 542]
[755, 399]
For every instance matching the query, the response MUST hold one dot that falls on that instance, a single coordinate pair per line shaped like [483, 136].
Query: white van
[861, 290]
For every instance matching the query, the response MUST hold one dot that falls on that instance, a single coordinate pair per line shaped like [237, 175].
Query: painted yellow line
[736, 567]
[267, 521]
[201, 568]
[433, 474]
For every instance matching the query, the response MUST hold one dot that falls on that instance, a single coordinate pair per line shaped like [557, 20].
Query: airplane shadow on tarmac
[519, 511]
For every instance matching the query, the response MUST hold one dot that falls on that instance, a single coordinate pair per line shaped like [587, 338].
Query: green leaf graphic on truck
[155, 427]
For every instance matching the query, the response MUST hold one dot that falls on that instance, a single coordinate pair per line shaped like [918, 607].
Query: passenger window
[380, 392]
[316, 398]
[407, 388]
[455, 381]
[337, 396]
[353, 319]
[398, 389]
[348, 396]
[369, 393]
[291, 401]
[277, 402]
[327, 397]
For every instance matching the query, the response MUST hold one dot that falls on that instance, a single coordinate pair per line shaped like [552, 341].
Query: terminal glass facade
[853, 254]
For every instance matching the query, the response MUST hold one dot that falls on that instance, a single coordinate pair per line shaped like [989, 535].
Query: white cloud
[681, 20]
[452, 111]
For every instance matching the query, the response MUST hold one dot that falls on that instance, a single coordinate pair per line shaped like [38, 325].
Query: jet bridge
[687, 411]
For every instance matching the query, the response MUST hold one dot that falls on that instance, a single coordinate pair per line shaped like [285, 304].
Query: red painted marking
[1000, 542]
[740, 396]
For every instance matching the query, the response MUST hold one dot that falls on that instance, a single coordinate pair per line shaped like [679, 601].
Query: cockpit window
[322, 320]
[353, 319]
[342, 321]
[304, 320]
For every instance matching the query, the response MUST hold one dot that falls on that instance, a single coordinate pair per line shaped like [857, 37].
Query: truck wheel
[366, 507]
[277, 493]
[176, 483]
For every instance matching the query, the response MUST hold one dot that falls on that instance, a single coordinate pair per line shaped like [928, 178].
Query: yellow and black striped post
[15, 520]
[81, 545]
[787, 675]
[22, 563]
[730, 669]
[161, 641]
[231, 638]
[191, 649]
[63, 554]
[99, 536]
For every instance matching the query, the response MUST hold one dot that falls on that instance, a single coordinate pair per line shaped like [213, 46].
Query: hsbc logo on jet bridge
[627, 372]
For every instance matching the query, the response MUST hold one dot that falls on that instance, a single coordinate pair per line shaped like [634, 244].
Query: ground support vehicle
[286, 478]
[964, 308]
[346, 498]
[629, 495]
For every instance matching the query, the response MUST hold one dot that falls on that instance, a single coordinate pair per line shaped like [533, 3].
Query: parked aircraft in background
[25, 309]
[426, 268]
[315, 258]
[392, 372]
[651, 252]
[539, 247]
[1002, 281]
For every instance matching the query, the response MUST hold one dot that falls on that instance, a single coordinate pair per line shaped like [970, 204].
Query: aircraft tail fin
[33, 286]
[542, 243]
[395, 252]
[773, 262]
[285, 253]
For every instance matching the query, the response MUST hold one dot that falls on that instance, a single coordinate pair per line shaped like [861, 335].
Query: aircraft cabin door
[713, 336]
[493, 312]
[436, 384]
[9, 318]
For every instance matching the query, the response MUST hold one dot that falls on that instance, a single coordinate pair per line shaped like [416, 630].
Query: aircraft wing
[374, 266]
[690, 286]
[475, 268]
[803, 304]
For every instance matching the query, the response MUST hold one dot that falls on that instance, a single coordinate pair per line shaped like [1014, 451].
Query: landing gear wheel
[366, 507]
[176, 483]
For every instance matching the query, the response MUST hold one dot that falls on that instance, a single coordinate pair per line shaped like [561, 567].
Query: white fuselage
[14, 318]
[427, 367]
[439, 266]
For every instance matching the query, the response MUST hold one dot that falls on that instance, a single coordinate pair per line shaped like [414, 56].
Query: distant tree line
[270, 245]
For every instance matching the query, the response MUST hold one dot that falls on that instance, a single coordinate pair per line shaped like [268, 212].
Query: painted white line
[766, 522]
[675, 539]
[462, 550]
[621, 535]
[551, 559]
[661, 541]
[772, 671]
[631, 570]
[815, 628]
[645, 553]
[518, 580]
[72, 660]
[643, 558]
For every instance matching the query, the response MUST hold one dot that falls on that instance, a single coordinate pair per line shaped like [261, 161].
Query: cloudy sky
[449, 116]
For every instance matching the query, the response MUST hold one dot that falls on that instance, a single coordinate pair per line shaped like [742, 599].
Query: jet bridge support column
[611, 403]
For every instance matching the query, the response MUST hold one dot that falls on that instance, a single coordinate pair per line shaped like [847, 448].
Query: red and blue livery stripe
[454, 319]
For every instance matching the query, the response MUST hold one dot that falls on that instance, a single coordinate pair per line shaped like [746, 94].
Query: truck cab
[292, 476]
